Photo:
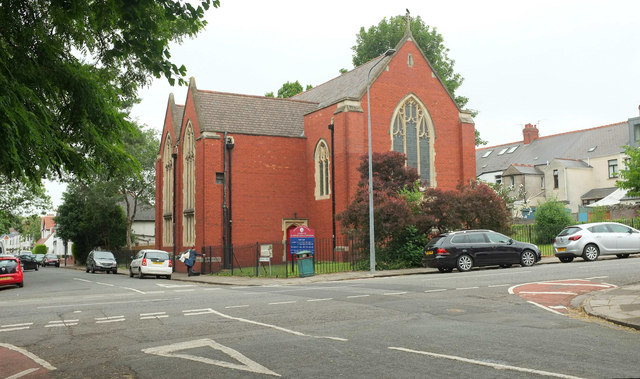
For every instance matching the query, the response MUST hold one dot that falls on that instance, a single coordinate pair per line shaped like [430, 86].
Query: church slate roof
[351, 85]
[254, 115]
[607, 140]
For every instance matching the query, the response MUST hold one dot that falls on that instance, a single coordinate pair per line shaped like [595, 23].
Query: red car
[50, 260]
[10, 271]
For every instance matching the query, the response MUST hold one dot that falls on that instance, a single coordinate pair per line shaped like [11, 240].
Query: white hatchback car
[151, 262]
[589, 241]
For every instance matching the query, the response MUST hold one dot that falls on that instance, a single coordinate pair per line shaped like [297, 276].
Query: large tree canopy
[630, 176]
[373, 42]
[68, 72]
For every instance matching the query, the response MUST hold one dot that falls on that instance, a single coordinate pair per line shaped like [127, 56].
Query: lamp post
[372, 246]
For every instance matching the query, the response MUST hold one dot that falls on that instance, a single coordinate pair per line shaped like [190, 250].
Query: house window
[503, 151]
[167, 192]
[321, 158]
[188, 186]
[498, 179]
[412, 133]
[555, 179]
[219, 177]
[487, 154]
[636, 132]
[613, 168]
[542, 182]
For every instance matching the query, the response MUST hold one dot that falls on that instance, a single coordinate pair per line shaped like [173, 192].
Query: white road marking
[274, 327]
[108, 302]
[154, 315]
[153, 292]
[546, 308]
[325, 299]
[83, 280]
[189, 290]
[14, 327]
[134, 290]
[467, 288]
[577, 284]
[195, 312]
[212, 289]
[104, 320]
[60, 323]
[548, 293]
[23, 373]
[499, 285]
[175, 285]
[557, 307]
[394, 293]
[106, 284]
[496, 366]
[236, 306]
[282, 302]
[246, 364]
[29, 354]
[438, 290]
[597, 277]
[357, 296]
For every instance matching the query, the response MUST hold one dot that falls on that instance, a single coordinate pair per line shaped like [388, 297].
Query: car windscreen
[569, 231]
[437, 241]
[103, 255]
[157, 255]
[8, 266]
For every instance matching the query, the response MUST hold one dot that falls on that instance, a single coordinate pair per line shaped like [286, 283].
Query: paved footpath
[619, 305]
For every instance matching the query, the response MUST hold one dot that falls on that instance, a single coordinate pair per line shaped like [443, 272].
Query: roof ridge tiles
[256, 96]
[555, 135]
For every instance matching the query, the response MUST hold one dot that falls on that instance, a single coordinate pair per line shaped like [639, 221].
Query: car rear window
[157, 255]
[436, 241]
[8, 266]
[569, 231]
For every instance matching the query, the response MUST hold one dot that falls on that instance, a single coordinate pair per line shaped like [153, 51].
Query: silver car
[590, 240]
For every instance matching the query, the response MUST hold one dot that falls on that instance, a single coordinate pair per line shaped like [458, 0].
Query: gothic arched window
[189, 186]
[412, 133]
[167, 192]
[321, 159]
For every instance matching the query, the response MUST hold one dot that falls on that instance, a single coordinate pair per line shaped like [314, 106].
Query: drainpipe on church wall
[224, 202]
[229, 144]
[174, 155]
[333, 193]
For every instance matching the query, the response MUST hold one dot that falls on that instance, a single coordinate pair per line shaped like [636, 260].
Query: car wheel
[506, 265]
[140, 276]
[527, 258]
[130, 273]
[590, 253]
[87, 268]
[168, 277]
[93, 269]
[108, 272]
[566, 259]
[57, 264]
[115, 271]
[622, 255]
[445, 269]
[37, 268]
[464, 263]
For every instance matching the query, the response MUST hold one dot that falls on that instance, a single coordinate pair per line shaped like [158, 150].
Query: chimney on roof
[529, 133]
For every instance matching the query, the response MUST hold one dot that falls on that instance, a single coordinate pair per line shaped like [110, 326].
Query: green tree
[90, 217]
[630, 176]
[550, 218]
[137, 189]
[18, 199]
[289, 89]
[373, 42]
[40, 249]
[68, 72]
[31, 228]
[479, 141]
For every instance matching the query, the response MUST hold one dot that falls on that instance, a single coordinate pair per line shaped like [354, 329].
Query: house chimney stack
[529, 133]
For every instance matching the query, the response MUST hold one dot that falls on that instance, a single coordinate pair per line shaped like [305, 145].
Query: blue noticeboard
[302, 239]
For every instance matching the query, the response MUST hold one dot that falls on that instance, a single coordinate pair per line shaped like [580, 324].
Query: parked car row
[146, 262]
[474, 248]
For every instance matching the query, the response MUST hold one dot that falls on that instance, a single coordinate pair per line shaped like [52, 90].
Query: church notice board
[302, 239]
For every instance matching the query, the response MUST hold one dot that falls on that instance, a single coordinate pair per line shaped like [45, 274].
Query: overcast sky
[563, 65]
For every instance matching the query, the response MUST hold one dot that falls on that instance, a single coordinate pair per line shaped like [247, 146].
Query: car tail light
[144, 262]
[170, 263]
[575, 238]
[442, 252]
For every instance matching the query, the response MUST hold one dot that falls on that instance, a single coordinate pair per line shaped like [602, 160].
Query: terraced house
[578, 168]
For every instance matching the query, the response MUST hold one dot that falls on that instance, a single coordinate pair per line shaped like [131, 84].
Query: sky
[562, 65]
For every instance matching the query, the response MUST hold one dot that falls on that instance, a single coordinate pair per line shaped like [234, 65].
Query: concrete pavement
[619, 305]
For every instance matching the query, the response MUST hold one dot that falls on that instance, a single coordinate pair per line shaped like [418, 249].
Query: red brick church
[240, 169]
